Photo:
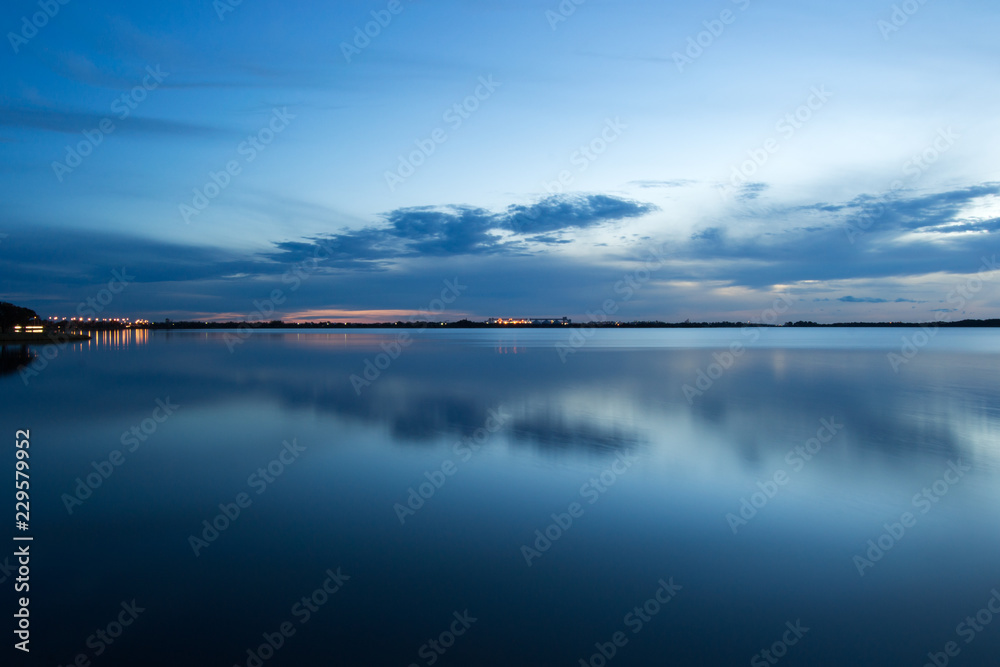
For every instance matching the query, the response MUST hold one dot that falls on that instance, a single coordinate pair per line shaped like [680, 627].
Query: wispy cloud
[70, 121]
[872, 299]
[751, 191]
[676, 183]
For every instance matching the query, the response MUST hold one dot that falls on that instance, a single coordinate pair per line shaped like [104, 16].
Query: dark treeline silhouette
[11, 315]
[469, 324]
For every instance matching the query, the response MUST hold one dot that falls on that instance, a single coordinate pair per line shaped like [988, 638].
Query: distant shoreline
[466, 324]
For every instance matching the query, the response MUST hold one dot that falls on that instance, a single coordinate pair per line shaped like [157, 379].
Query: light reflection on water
[620, 393]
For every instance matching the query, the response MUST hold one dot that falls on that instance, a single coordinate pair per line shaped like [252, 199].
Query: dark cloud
[463, 230]
[558, 212]
[932, 212]
[453, 230]
[860, 238]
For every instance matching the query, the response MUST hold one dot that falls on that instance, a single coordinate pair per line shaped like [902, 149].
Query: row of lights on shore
[119, 320]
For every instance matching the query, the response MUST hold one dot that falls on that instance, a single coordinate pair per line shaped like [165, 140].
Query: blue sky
[840, 155]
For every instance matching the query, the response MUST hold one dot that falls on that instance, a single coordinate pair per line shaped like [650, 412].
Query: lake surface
[490, 497]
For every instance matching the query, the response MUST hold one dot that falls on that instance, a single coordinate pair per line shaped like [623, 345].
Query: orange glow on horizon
[366, 316]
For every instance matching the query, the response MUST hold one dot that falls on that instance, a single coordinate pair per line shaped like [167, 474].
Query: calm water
[416, 498]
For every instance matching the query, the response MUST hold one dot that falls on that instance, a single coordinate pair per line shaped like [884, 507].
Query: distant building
[32, 326]
[505, 321]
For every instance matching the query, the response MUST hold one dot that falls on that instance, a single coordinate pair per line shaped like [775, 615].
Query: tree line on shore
[12, 316]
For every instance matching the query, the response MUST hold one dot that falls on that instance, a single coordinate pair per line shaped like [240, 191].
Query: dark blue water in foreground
[689, 532]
